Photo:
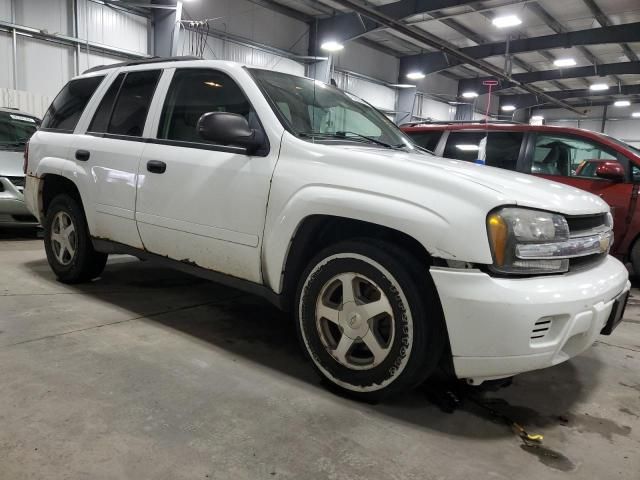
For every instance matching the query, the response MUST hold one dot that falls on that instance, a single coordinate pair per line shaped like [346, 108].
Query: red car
[591, 161]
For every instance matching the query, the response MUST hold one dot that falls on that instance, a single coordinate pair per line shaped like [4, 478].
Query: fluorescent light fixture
[415, 75]
[621, 103]
[469, 94]
[508, 108]
[468, 148]
[332, 46]
[635, 114]
[564, 62]
[402, 85]
[537, 118]
[599, 86]
[506, 21]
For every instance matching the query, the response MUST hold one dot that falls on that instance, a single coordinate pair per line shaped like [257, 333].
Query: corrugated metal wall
[43, 67]
[219, 49]
[380, 96]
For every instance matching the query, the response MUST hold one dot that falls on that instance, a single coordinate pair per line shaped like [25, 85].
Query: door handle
[156, 166]
[82, 155]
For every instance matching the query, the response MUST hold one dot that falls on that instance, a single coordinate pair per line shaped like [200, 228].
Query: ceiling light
[332, 46]
[506, 21]
[621, 103]
[402, 85]
[213, 84]
[508, 108]
[599, 86]
[564, 62]
[469, 94]
[415, 75]
[537, 118]
[468, 148]
[635, 114]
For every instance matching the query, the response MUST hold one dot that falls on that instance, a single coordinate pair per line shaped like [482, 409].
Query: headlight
[529, 242]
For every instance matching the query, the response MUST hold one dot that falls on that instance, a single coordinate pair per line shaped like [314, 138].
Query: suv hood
[11, 163]
[512, 188]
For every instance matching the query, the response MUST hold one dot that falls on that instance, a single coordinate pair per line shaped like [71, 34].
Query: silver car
[16, 128]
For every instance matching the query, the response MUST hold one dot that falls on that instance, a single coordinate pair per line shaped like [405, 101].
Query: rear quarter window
[67, 107]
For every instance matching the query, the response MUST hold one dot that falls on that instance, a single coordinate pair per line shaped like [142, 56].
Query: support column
[406, 105]
[166, 31]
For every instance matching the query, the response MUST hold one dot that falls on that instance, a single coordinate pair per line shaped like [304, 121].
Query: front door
[200, 202]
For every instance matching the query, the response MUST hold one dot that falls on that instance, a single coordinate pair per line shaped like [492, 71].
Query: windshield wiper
[344, 135]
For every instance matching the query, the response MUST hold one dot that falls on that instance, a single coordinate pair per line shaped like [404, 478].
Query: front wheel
[369, 318]
[68, 244]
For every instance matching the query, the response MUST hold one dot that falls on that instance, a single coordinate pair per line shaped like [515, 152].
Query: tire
[70, 255]
[392, 336]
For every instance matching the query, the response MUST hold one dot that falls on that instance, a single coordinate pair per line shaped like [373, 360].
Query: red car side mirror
[611, 171]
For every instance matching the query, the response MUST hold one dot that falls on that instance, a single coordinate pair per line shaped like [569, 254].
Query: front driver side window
[568, 156]
[194, 92]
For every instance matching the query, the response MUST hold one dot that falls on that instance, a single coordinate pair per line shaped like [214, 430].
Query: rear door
[565, 158]
[111, 148]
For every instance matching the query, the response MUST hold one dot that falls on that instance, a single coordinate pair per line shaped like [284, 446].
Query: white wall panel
[25, 101]
[5, 10]
[362, 59]
[94, 59]
[218, 49]
[248, 20]
[51, 15]
[6, 57]
[43, 67]
[102, 24]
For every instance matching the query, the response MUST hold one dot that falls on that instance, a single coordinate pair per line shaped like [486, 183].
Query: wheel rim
[355, 321]
[64, 241]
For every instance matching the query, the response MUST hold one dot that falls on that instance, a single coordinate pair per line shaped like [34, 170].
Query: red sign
[490, 83]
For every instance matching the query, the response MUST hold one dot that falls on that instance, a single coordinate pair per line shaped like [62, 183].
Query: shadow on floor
[248, 326]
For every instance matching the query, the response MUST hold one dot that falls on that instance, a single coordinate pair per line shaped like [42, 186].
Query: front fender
[419, 222]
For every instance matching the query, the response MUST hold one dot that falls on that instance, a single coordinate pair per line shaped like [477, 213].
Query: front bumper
[500, 327]
[13, 210]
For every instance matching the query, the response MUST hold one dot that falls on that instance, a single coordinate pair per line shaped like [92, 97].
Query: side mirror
[611, 171]
[229, 129]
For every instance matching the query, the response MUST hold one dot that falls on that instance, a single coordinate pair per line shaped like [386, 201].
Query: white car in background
[16, 128]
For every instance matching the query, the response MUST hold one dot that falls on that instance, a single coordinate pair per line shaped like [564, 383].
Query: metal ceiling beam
[283, 9]
[603, 70]
[446, 48]
[585, 105]
[604, 21]
[436, 61]
[526, 100]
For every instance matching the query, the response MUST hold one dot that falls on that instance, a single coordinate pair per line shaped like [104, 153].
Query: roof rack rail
[141, 62]
[457, 122]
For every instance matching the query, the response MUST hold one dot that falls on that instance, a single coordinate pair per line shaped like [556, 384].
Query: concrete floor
[148, 373]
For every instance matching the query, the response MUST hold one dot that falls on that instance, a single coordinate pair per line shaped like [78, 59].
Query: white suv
[394, 261]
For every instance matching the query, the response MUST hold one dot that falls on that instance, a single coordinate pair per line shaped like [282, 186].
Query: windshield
[16, 129]
[322, 113]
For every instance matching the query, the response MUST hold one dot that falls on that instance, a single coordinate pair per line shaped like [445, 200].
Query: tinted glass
[16, 129]
[503, 149]
[428, 140]
[464, 145]
[319, 112]
[102, 116]
[132, 105]
[565, 155]
[194, 92]
[66, 108]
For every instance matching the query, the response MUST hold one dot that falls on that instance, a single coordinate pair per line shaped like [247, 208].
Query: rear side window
[102, 116]
[428, 140]
[464, 145]
[503, 149]
[194, 92]
[132, 105]
[66, 108]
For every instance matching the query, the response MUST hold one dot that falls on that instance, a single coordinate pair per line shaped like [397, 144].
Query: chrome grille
[582, 226]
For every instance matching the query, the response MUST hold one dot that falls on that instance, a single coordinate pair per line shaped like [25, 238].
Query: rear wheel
[67, 242]
[369, 319]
